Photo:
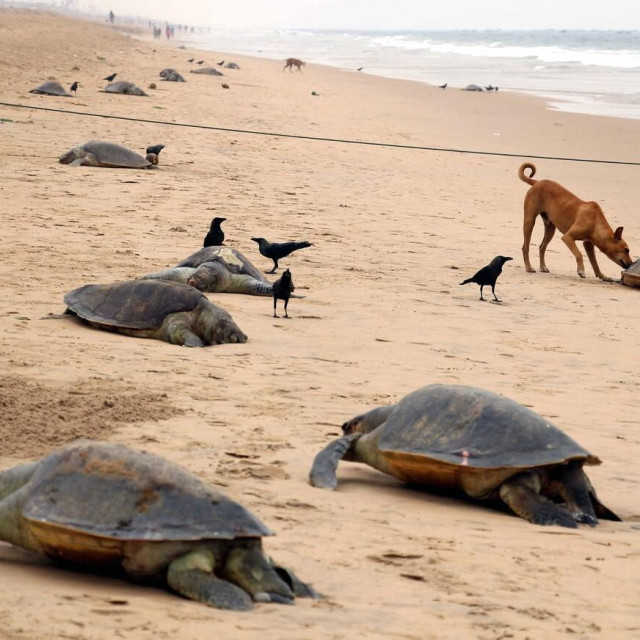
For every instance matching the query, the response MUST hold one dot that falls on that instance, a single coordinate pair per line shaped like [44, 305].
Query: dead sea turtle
[214, 277]
[463, 438]
[473, 87]
[233, 259]
[174, 77]
[168, 311]
[209, 71]
[108, 507]
[631, 276]
[107, 154]
[51, 89]
[126, 88]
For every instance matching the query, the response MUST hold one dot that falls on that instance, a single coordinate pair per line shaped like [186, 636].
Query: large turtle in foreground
[51, 89]
[107, 154]
[169, 311]
[108, 507]
[631, 275]
[463, 438]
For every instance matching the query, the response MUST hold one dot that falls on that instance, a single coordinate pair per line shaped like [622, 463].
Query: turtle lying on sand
[171, 75]
[107, 507]
[468, 439]
[215, 276]
[234, 260]
[208, 71]
[168, 311]
[126, 88]
[631, 275]
[107, 154]
[51, 89]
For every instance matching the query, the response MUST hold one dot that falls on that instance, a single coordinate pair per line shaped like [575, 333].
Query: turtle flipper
[572, 486]
[13, 528]
[192, 577]
[522, 495]
[325, 464]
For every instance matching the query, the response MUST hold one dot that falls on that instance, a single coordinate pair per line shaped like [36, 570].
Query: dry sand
[394, 232]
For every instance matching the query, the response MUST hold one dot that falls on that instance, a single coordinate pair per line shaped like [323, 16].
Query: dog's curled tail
[528, 179]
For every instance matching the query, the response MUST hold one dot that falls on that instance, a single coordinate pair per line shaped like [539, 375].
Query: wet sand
[394, 232]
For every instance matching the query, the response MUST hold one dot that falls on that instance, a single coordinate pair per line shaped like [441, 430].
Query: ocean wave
[615, 58]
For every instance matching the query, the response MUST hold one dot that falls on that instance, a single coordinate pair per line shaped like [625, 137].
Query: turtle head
[210, 277]
[72, 154]
[152, 158]
[367, 422]
[216, 326]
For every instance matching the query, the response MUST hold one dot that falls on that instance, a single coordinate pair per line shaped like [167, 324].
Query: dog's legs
[568, 239]
[529, 222]
[549, 231]
[591, 254]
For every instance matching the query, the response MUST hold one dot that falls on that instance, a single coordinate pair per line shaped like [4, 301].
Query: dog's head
[618, 250]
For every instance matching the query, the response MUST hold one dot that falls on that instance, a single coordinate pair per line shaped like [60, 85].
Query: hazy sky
[386, 14]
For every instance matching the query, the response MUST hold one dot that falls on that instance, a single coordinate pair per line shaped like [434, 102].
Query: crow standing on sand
[155, 148]
[488, 275]
[444, 86]
[74, 87]
[282, 290]
[111, 77]
[215, 237]
[190, 59]
[278, 250]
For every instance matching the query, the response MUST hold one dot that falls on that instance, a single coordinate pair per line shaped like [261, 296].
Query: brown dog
[576, 219]
[293, 62]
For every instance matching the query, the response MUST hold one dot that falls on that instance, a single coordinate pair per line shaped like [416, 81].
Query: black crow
[220, 63]
[156, 148]
[190, 59]
[215, 237]
[282, 290]
[111, 77]
[444, 86]
[225, 85]
[200, 62]
[278, 250]
[74, 87]
[488, 275]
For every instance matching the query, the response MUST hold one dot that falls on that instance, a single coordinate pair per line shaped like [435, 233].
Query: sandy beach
[394, 232]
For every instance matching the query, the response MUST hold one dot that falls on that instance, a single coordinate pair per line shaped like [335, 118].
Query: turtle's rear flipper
[325, 464]
[192, 577]
[521, 495]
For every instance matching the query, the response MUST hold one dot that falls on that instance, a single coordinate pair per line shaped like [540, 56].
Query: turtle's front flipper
[323, 471]
[522, 495]
[12, 479]
[192, 577]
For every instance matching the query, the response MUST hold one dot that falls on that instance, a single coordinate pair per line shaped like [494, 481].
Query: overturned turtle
[51, 89]
[207, 71]
[125, 88]
[215, 276]
[107, 154]
[169, 311]
[107, 507]
[235, 261]
[631, 275]
[463, 438]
